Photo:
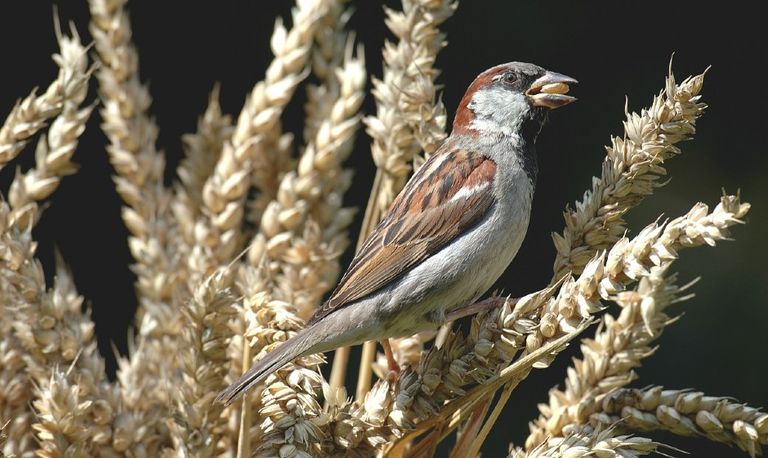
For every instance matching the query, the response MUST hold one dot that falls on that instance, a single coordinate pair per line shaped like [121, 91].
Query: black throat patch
[529, 132]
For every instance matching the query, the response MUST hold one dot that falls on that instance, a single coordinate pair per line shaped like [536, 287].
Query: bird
[450, 233]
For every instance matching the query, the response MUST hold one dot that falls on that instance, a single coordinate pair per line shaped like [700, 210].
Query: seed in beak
[555, 88]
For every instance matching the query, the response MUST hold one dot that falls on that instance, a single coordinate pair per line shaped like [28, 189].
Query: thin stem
[472, 425]
[339, 368]
[243, 437]
[474, 448]
[365, 374]
[341, 358]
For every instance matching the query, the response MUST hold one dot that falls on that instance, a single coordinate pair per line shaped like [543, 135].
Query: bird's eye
[509, 78]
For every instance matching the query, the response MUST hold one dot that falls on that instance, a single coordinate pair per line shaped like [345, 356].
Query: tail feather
[272, 361]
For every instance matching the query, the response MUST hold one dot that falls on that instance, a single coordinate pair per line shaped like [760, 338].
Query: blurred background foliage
[615, 50]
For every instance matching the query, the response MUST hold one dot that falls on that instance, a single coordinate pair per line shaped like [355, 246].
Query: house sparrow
[451, 232]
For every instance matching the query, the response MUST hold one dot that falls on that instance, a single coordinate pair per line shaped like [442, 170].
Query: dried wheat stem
[225, 190]
[30, 114]
[586, 441]
[631, 170]
[623, 342]
[683, 412]
[139, 166]
[200, 425]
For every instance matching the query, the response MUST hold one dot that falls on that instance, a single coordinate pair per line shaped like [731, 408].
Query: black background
[615, 49]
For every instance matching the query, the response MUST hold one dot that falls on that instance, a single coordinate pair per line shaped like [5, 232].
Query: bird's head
[507, 98]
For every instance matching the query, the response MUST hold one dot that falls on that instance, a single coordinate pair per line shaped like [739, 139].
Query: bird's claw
[394, 368]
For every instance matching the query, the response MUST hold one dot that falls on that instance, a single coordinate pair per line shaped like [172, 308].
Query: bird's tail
[272, 361]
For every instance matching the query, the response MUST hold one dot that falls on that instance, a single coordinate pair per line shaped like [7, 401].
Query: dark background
[615, 49]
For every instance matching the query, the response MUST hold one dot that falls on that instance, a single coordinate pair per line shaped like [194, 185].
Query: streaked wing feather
[422, 221]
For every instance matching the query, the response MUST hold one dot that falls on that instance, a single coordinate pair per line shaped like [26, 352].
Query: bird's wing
[451, 192]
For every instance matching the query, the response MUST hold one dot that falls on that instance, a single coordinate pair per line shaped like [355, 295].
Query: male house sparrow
[451, 232]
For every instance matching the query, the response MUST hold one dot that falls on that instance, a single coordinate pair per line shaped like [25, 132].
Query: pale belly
[453, 277]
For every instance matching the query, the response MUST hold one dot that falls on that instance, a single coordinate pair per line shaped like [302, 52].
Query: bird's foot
[394, 368]
[477, 307]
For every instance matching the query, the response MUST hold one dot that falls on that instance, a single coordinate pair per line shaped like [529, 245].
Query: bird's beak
[549, 91]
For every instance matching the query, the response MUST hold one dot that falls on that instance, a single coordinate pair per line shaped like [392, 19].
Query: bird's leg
[477, 307]
[394, 368]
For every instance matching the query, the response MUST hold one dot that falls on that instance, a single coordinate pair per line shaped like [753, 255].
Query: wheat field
[282, 149]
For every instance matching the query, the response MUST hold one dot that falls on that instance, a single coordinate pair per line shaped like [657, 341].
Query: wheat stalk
[202, 151]
[298, 246]
[54, 150]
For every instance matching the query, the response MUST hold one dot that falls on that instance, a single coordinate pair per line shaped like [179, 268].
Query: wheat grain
[300, 259]
[289, 398]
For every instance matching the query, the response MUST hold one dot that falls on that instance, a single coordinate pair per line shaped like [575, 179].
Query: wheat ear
[32, 113]
[623, 342]
[632, 168]
[200, 425]
[683, 412]
[154, 237]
